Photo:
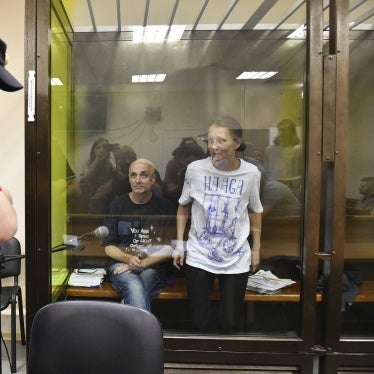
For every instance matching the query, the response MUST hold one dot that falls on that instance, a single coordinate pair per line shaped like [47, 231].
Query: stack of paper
[266, 282]
[87, 277]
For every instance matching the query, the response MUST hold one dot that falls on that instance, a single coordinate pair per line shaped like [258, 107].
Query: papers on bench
[87, 277]
[266, 282]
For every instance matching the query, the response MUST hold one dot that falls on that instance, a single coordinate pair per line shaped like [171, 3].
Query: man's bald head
[145, 162]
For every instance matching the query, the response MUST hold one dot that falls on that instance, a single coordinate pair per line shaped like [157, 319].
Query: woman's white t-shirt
[217, 240]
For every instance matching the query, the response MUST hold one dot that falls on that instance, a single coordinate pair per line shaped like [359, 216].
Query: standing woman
[221, 193]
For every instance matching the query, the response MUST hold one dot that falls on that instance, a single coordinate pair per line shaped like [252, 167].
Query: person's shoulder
[173, 161]
[249, 166]
[276, 188]
[160, 199]
[164, 204]
[120, 199]
[198, 163]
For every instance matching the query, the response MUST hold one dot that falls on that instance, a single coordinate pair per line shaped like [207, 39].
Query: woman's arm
[90, 169]
[162, 255]
[256, 223]
[183, 214]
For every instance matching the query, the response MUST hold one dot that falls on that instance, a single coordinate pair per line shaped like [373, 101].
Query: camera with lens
[111, 146]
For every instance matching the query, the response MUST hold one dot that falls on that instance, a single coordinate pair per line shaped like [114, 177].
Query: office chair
[95, 337]
[10, 252]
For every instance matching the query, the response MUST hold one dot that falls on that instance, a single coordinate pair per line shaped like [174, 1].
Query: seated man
[366, 189]
[119, 183]
[138, 238]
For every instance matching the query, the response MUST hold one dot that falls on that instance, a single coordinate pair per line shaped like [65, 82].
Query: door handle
[325, 255]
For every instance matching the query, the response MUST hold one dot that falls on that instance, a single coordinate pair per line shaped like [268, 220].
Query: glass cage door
[142, 97]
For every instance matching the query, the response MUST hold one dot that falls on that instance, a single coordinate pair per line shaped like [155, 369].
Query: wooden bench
[279, 237]
[177, 291]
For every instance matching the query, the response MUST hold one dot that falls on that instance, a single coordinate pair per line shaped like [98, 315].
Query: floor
[21, 358]
[169, 368]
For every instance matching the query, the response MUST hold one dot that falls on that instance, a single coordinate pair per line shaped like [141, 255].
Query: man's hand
[122, 268]
[135, 264]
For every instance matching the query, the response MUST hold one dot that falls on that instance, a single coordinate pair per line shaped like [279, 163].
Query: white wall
[12, 149]
[187, 112]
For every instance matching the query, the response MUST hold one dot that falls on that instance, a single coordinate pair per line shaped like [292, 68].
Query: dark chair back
[11, 267]
[95, 337]
[10, 252]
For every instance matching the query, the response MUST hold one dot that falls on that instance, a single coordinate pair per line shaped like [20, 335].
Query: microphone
[74, 242]
[99, 233]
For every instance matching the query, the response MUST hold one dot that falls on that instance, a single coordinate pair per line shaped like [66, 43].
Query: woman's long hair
[292, 138]
[100, 139]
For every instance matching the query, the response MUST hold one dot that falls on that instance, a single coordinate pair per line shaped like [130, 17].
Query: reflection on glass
[115, 121]
[358, 317]
[283, 159]
[63, 180]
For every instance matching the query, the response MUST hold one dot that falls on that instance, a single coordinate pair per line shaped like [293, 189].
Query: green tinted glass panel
[62, 175]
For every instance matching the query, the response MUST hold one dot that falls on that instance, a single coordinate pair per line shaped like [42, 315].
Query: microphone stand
[67, 247]
[3, 259]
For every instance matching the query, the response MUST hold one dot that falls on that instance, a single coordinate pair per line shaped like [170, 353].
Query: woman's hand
[178, 255]
[255, 258]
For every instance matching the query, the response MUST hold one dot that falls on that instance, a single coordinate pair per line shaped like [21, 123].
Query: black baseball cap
[7, 81]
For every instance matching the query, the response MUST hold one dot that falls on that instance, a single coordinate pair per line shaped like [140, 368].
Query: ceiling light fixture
[256, 74]
[157, 34]
[148, 78]
[299, 33]
[56, 82]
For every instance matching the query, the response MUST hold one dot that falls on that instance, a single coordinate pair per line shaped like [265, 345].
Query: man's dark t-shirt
[140, 225]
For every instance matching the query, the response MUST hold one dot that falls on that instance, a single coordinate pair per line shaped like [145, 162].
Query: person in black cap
[8, 217]
[7, 81]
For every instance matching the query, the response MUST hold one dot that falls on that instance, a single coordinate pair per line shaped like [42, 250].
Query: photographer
[98, 169]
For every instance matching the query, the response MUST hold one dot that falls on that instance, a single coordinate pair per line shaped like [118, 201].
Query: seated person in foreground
[139, 233]
[366, 189]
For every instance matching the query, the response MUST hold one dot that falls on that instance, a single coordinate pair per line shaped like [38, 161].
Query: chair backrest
[95, 337]
[11, 267]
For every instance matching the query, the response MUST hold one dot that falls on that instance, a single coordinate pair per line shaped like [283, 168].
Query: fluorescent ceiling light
[175, 33]
[299, 33]
[157, 34]
[148, 78]
[256, 74]
[56, 82]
